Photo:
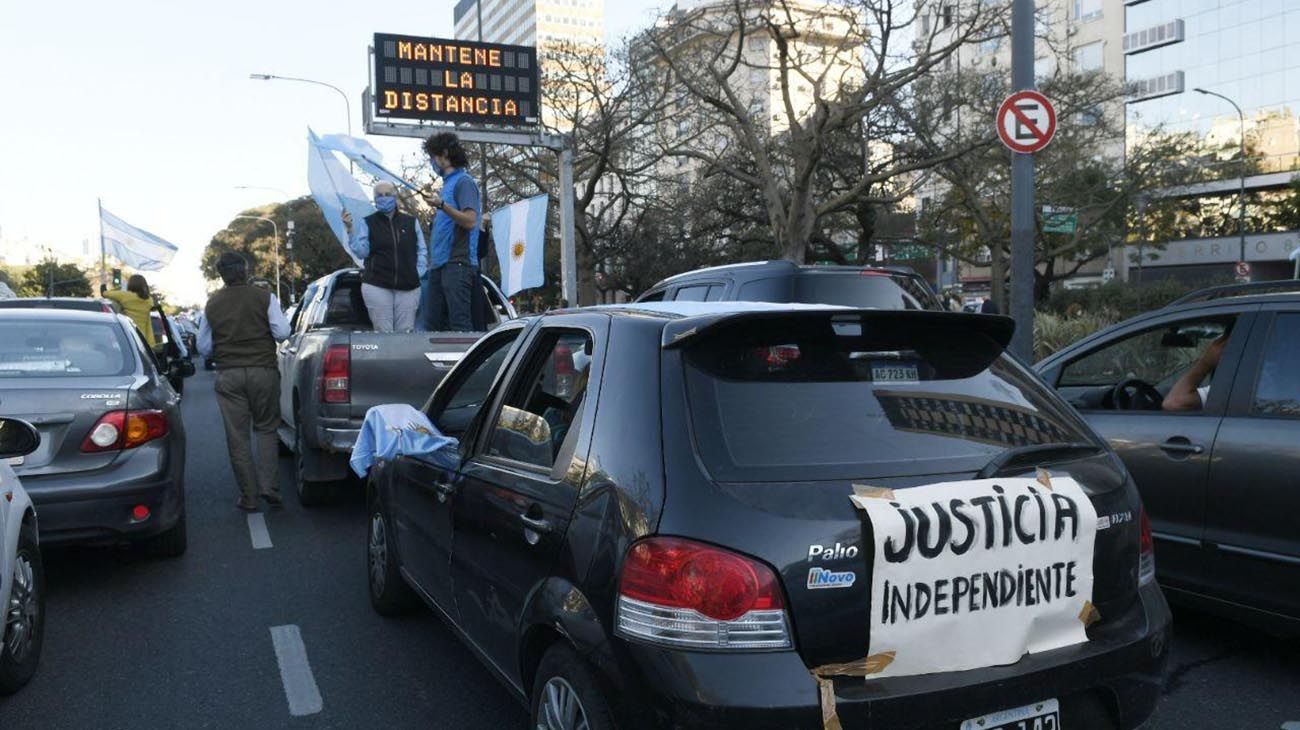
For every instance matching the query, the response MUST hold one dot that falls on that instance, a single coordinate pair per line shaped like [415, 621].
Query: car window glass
[873, 290]
[715, 293]
[1156, 356]
[544, 400]
[346, 306]
[466, 399]
[41, 348]
[696, 293]
[1277, 393]
[652, 297]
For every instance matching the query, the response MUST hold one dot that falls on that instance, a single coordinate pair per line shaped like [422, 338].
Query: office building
[1246, 51]
[531, 22]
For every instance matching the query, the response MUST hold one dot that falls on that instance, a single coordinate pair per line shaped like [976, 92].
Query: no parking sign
[1026, 122]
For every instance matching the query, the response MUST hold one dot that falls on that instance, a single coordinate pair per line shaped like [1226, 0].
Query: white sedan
[22, 581]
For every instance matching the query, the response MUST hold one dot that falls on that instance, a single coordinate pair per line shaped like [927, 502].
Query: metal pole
[568, 250]
[482, 147]
[103, 253]
[1022, 189]
[1241, 190]
[276, 239]
[347, 103]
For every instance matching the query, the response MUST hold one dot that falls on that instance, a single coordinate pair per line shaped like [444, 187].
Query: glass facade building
[1249, 52]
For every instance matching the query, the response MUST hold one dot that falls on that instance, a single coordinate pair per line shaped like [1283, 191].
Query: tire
[565, 682]
[310, 493]
[389, 593]
[19, 655]
[171, 543]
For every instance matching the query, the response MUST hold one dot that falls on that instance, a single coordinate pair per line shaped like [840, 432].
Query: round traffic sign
[1243, 270]
[1026, 122]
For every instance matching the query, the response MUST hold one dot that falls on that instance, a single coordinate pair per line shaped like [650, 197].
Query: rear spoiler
[682, 332]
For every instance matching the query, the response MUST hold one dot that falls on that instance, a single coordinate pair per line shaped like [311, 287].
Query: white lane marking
[257, 531]
[295, 671]
[1291, 725]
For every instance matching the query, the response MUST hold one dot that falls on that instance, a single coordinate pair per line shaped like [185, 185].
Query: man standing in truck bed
[453, 273]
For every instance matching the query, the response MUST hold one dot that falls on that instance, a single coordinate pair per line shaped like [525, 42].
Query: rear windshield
[863, 290]
[63, 349]
[840, 398]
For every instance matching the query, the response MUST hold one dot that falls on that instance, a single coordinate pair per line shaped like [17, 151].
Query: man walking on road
[448, 299]
[391, 245]
[241, 324]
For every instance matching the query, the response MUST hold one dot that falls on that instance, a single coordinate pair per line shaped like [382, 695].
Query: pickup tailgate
[401, 367]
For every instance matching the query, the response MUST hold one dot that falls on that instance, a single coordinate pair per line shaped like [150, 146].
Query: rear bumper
[1113, 681]
[96, 506]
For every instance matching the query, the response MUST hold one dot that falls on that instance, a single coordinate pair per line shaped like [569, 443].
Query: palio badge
[823, 578]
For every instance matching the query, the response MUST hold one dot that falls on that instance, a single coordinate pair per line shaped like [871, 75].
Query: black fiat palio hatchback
[708, 515]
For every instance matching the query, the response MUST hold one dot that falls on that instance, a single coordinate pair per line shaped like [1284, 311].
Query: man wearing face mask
[448, 302]
[391, 246]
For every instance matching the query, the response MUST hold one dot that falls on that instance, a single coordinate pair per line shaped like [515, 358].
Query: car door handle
[535, 524]
[1181, 446]
[444, 488]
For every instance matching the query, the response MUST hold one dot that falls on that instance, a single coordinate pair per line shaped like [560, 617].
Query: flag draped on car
[519, 233]
[334, 190]
[134, 247]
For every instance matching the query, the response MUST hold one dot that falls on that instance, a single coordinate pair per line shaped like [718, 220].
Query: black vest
[393, 252]
[241, 327]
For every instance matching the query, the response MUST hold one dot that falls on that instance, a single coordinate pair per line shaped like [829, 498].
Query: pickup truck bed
[333, 369]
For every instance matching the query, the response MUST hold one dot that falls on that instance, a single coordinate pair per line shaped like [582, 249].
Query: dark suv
[864, 287]
[670, 515]
[1220, 470]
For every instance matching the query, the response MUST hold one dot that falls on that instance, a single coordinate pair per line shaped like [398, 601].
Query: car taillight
[336, 383]
[687, 594]
[117, 430]
[1146, 551]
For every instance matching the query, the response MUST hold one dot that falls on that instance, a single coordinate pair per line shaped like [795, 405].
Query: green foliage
[1054, 331]
[69, 280]
[1286, 210]
[316, 252]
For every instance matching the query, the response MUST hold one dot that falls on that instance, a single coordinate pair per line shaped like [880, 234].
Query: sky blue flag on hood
[519, 233]
[364, 155]
[334, 191]
[134, 247]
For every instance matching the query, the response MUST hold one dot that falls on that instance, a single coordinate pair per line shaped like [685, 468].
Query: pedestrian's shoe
[246, 505]
[273, 499]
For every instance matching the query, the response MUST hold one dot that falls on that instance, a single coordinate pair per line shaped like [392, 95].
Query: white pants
[391, 310]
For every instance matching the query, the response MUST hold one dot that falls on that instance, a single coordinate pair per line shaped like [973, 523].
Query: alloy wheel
[561, 708]
[22, 614]
[378, 553]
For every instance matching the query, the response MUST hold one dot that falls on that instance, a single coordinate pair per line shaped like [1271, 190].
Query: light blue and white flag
[519, 232]
[365, 156]
[334, 191]
[134, 247]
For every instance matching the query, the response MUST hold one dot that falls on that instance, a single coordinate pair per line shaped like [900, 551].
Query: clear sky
[147, 104]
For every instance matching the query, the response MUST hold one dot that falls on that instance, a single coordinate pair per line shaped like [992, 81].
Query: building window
[1087, 9]
[948, 12]
[1090, 117]
[1154, 37]
[1043, 67]
[1089, 57]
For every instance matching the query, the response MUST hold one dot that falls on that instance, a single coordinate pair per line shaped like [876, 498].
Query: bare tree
[814, 72]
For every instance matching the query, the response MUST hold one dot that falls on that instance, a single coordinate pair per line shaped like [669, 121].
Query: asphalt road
[138, 643]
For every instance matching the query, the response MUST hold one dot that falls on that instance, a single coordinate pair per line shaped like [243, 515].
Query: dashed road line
[257, 531]
[295, 671]
[1291, 725]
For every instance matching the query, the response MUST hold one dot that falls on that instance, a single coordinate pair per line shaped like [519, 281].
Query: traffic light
[117, 278]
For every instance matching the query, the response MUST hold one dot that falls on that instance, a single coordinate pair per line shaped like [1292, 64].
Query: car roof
[680, 310]
[779, 266]
[75, 315]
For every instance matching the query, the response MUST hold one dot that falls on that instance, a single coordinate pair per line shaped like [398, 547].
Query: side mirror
[17, 438]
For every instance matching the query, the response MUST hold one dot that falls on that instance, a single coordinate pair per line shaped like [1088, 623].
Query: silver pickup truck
[333, 368]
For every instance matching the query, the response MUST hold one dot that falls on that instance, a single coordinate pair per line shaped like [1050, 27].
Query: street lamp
[277, 245]
[1241, 220]
[346, 103]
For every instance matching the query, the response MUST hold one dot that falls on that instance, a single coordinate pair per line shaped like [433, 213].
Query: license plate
[16, 460]
[1045, 715]
[894, 373]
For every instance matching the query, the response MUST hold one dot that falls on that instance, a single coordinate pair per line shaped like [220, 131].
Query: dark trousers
[448, 298]
[250, 408]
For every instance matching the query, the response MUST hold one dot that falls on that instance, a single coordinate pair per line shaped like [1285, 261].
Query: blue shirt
[460, 192]
[279, 327]
[359, 242]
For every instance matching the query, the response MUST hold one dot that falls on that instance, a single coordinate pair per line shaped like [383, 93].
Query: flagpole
[103, 253]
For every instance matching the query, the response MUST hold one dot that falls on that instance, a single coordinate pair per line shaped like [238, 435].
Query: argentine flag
[134, 247]
[519, 232]
[335, 191]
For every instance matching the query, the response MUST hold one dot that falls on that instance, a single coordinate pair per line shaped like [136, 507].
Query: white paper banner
[977, 573]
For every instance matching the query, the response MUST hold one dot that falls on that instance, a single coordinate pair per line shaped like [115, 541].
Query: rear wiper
[1035, 452]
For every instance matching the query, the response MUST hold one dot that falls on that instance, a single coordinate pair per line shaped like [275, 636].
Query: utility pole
[1022, 189]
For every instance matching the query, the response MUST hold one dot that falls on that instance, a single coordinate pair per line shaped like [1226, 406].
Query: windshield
[62, 349]
[842, 401]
